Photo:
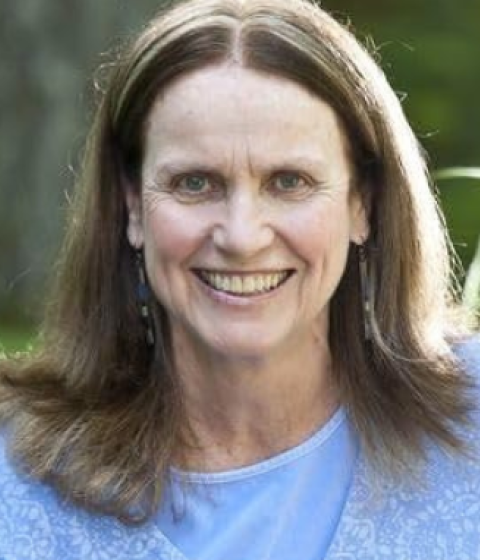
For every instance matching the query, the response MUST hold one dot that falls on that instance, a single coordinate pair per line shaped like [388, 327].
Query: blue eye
[196, 187]
[291, 183]
[194, 184]
[288, 181]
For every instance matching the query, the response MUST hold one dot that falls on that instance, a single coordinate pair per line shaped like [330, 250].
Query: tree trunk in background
[49, 52]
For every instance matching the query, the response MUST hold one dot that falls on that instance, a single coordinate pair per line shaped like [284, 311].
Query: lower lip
[240, 301]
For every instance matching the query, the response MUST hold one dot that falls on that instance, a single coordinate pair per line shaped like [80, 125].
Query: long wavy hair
[95, 412]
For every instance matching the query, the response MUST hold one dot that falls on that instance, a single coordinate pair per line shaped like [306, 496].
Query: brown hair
[97, 415]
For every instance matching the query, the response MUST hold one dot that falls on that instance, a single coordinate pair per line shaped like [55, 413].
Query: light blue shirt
[273, 509]
[313, 502]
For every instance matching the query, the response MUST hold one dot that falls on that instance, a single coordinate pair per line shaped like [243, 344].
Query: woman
[251, 351]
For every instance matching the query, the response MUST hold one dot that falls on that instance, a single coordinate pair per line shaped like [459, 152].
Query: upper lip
[242, 272]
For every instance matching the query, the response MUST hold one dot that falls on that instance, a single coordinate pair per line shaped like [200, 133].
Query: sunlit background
[50, 55]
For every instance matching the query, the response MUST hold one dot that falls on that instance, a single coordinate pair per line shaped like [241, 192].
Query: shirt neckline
[324, 433]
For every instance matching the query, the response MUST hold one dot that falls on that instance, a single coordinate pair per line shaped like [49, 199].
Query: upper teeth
[245, 284]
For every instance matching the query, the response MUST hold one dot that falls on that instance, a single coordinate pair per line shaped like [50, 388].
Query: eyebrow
[173, 167]
[181, 166]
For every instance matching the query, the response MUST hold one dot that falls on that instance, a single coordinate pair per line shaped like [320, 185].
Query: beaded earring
[366, 290]
[143, 296]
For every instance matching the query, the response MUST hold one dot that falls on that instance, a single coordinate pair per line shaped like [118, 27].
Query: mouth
[245, 285]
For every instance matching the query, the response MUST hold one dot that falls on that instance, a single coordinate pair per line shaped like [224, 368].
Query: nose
[244, 229]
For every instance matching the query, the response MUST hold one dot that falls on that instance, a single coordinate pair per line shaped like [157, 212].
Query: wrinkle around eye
[305, 190]
[153, 195]
[172, 190]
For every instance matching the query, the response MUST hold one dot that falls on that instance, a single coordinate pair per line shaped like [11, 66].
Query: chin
[247, 349]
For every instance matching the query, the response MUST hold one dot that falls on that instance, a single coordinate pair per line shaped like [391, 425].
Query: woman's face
[246, 212]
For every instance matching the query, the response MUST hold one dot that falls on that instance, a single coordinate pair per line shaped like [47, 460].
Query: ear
[359, 211]
[135, 223]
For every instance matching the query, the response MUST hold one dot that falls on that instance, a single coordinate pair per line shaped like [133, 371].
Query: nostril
[242, 236]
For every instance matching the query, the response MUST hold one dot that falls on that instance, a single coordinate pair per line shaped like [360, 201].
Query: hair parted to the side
[93, 412]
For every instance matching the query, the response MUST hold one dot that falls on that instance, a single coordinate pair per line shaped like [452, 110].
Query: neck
[241, 411]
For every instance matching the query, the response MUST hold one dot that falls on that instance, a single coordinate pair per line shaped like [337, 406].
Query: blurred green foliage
[459, 190]
[16, 339]
[430, 51]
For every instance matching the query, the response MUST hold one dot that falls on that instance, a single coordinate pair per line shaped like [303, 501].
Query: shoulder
[22, 519]
[36, 523]
[468, 355]
[468, 352]
[436, 517]
[27, 512]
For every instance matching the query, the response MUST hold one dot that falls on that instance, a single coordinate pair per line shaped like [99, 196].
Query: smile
[245, 284]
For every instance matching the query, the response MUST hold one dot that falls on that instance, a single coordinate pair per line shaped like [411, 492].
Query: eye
[290, 183]
[193, 184]
[196, 187]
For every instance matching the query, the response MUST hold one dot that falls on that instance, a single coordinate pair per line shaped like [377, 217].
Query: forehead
[214, 106]
[199, 93]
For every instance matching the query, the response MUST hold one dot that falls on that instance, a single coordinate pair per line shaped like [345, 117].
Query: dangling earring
[366, 289]
[143, 295]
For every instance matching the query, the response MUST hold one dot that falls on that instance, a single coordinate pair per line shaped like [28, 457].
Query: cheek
[173, 233]
[321, 234]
